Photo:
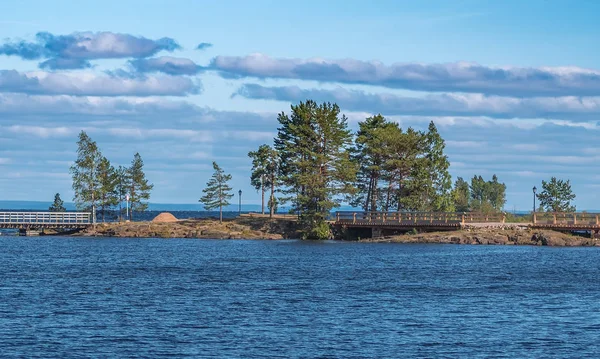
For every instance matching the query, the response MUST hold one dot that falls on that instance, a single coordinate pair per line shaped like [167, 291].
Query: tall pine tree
[85, 174]
[139, 190]
[217, 192]
[439, 183]
[107, 190]
[122, 187]
[313, 144]
[265, 164]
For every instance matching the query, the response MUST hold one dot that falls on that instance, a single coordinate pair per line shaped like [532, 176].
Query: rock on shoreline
[501, 236]
[237, 228]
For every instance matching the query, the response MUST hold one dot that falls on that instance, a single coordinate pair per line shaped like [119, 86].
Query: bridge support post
[574, 218]
[597, 220]
[376, 232]
[534, 218]
[354, 217]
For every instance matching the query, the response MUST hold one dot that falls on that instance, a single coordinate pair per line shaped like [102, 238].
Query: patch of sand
[165, 217]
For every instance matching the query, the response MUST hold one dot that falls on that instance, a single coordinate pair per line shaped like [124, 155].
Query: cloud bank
[73, 51]
[89, 84]
[449, 104]
[451, 77]
[166, 64]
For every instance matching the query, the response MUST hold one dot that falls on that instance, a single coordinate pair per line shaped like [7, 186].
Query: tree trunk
[272, 206]
[369, 191]
[262, 188]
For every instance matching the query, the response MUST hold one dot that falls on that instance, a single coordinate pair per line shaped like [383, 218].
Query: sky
[513, 86]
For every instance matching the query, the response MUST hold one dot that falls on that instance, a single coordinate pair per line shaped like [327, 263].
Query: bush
[320, 230]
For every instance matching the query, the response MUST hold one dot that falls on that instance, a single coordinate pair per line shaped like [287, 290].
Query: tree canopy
[556, 196]
[58, 205]
[217, 192]
[314, 143]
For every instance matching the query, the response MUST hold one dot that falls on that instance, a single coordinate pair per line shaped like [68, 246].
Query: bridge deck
[41, 220]
[457, 220]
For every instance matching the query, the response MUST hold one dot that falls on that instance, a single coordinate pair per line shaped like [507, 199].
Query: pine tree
[264, 173]
[403, 163]
[107, 190]
[461, 195]
[139, 190]
[487, 196]
[58, 205]
[122, 187]
[316, 168]
[556, 196]
[217, 192]
[439, 183]
[369, 155]
[85, 174]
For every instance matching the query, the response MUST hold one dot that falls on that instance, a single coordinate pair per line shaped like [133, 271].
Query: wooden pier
[31, 222]
[380, 222]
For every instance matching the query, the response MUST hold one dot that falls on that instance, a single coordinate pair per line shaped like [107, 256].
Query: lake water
[85, 297]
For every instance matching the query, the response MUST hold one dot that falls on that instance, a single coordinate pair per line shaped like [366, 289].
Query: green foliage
[107, 186]
[320, 230]
[487, 197]
[461, 195]
[85, 173]
[556, 196]
[439, 181]
[217, 192]
[412, 232]
[317, 172]
[265, 165]
[58, 205]
[139, 187]
[400, 170]
[122, 186]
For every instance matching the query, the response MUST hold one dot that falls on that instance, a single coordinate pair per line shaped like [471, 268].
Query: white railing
[45, 218]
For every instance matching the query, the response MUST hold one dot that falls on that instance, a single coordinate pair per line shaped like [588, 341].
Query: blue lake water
[86, 297]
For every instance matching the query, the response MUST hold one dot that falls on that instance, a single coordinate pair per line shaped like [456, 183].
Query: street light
[240, 204]
[534, 191]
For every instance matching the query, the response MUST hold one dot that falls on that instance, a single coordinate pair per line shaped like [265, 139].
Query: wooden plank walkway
[458, 220]
[42, 220]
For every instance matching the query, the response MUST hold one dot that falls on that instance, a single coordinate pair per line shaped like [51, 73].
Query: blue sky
[514, 87]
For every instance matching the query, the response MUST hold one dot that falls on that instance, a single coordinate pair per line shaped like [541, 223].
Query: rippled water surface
[74, 297]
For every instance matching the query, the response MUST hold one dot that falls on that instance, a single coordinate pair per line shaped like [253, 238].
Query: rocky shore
[167, 226]
[238, 228]
[494, 236]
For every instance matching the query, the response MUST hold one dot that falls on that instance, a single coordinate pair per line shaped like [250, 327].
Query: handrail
[45, 218]
[405, 217]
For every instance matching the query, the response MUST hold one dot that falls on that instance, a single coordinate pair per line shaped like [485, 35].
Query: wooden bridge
[45, 220]
[380, 222]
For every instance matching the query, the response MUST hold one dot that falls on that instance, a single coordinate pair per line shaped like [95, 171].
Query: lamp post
[534, 191]
[240, 204]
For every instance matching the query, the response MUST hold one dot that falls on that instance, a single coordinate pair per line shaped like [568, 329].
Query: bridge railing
[45, 218]
[417, 217]
[564, 218]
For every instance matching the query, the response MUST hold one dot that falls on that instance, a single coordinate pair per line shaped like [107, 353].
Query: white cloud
[448, 77]
[90, 84]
